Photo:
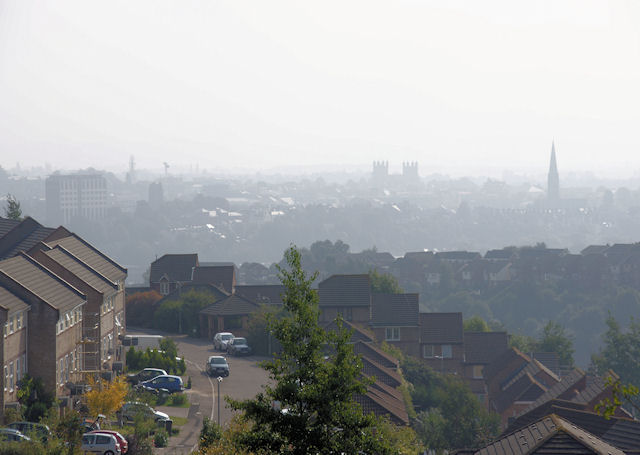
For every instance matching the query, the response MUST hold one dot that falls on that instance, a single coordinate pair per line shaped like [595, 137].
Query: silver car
[221, 339]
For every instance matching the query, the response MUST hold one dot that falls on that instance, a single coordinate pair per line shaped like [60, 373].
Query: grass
[179, 421]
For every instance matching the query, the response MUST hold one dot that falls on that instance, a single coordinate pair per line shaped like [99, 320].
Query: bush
[209, 434]
[140, 307]
[178, 399]
[164, 358]
[186, 307]
[161, 438]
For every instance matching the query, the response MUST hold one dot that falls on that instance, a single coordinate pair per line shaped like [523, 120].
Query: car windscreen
[226, 337]
[218, 361]
[240, 341]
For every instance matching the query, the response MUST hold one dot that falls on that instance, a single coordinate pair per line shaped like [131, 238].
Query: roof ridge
[52, 275]
[97, 251]
[80, 261]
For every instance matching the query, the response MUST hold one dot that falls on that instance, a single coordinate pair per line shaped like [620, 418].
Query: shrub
[209, 434]
[178, 399]
[161, 438]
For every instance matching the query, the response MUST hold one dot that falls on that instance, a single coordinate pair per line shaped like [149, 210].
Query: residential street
[244, 381]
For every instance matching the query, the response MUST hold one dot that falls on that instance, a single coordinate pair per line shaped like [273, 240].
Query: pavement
[245, 380]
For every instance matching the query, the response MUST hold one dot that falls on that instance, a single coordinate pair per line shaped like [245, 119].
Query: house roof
[441, 328]
[458, 255]
[345, 290]
[395, 310]
[94, 279]
[91, 256]
[11, 302]
[507, 359]
[551, 434]
[357, 335]
[388, 376]
[22, 236]
[533, 368]
[177, 267]
[6, 225]
[222, 276]
[386, 397]
[483, 347]
[594, 249]
[233, 305]
[524, 389]
[216, 293]
[567, 383]
[499, 254]
[40, 281]
[262, 293]
[376, 354]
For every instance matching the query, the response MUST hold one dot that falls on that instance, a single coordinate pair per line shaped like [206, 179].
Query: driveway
[245, 381]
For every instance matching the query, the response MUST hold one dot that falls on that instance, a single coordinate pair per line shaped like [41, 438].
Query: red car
[124, 445]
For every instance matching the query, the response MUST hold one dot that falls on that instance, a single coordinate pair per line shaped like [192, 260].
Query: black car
[217, 366]
[145, 375]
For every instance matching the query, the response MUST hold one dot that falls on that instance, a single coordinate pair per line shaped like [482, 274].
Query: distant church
[553, 180]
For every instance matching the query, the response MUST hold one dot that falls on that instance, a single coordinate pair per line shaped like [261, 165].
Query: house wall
[453, 365]
[359, 314]
[409, 342]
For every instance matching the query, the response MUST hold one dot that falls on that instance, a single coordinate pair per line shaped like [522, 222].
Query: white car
[102, 443]
[131, 409]
[221, 339]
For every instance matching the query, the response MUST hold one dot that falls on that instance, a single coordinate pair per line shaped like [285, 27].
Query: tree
[555, 339]
[181, 315]
[309, 406]
[13, 210]
[384, 283]
[34, 398]
[106, 398]
[140, 308]
[475, 324]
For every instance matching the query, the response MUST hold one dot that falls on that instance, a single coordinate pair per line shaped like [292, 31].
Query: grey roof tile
[11, 302]
[178, 267]
[395, 310]
[345, 290]
[441, 328]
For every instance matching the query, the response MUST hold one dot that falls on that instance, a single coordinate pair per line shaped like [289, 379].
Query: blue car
[165, 381]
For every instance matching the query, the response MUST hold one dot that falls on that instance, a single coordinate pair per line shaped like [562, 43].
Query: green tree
[140, 308]
[13, 210]
[181, 315]
[475, 324]
[34, 398]
[384, 283]
[309, 406]
[555, 339]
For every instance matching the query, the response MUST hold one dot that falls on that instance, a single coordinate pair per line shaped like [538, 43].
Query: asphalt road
[245, 380]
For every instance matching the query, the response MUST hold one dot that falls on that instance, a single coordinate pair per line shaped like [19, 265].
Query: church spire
[553, 180]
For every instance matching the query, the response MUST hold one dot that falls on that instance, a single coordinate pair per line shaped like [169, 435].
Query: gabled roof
[483, 347]
[345, 290]
[503, 254]
[458, 255]
[233, 305]
[510, 358]
[177, 267]
[395, 310]
[22, 236]
[552, 435]
[568, 383]
[223, 276]
[40, 281]
[91, 256]
[386, 375]
[74, 265]
[11, 302]
[594, 249]
[262, 293]
[441, 328]
[357, 335]
[6, 225]
[384, 401]
[524, 389]
[376, 354]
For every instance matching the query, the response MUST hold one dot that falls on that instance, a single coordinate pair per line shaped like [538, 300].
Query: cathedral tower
[553, 180]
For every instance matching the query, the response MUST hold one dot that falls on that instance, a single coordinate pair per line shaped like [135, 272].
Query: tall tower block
[553, 180]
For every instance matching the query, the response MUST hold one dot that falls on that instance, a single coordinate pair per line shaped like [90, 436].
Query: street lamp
[218, 397]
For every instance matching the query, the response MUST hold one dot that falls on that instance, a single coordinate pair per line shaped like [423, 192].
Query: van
[142, 342]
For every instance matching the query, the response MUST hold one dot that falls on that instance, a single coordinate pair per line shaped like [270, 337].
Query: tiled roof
[217, 294]
[92, 257]
[441, 328]
[596, 386]
[358, 334]
[6, 225]
[395, 310]
[567, 383]
[233, 305]
[536, 414]
[11, 302]
[262, 293]
[41, 282]
[22, 237]
[376, 354]
[222, 276]
[504, 360]
[345, 290]
[483, 347]
[458, 255]
[594, 249]
[387, 403]
[499, 254]
[386, 375]
[550, 435]
[178, 267]
[81, 270]
[524, 389]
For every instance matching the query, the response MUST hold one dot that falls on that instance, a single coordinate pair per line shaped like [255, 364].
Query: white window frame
[11, 377]
[449, 351]
[392, 334]
[6, 376]
[18, 370]
[428, 347]
[164, 287]
[11, 326]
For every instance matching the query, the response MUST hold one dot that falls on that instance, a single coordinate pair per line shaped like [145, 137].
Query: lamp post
[441, 357]
[218, 398]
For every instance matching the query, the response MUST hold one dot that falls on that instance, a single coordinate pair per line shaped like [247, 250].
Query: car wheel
[108, 452]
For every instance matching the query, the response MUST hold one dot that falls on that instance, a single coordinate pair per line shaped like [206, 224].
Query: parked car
[238, 346]
[217, 366]
[39, 430]
[11, 434]
[168, 382]
[145, 375]
[221, 339]
[131, 409]
[102, 443]
[122, 441]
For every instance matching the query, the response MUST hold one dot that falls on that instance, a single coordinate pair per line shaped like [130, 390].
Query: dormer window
[164, 287]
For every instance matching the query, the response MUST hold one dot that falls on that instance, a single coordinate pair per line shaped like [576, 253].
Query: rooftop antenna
[166, 168]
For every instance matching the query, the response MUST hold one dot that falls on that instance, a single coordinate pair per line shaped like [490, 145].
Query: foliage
[186, 307]
[161, 438]
[177, 399]
[229, 441]
[13, 210]
[165, 358]
[451, 416]
[258, 336]
[404, 440]
[106, 397]
[70, 429]
[523, 343]
[555, 339]
[316, 412]
[11, 415]
[140, 308]
[475, 324]
[621, 394]
[209, 434]
[34, 398]
[384, 283]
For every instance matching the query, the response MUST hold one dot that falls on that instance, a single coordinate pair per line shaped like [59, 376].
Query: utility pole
[218, 398]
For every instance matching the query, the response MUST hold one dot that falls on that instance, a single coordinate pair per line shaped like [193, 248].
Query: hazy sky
[259, 84]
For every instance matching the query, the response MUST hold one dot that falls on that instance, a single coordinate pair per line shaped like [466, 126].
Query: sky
[459, 86]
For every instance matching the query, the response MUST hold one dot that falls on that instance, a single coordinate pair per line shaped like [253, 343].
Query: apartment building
[13, 344]
[77, 195]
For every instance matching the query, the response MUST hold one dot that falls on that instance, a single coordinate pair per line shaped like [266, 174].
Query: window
[61, 371]
[6, 329]
[392, 334]
[446, 351]
[17, 369]
[19, 321]
[477, 371]
[164, 287]
[428, 351]
[11, 325]
[6, 377]
[10, 376]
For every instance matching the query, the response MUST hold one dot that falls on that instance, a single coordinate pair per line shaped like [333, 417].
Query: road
[245, 381]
